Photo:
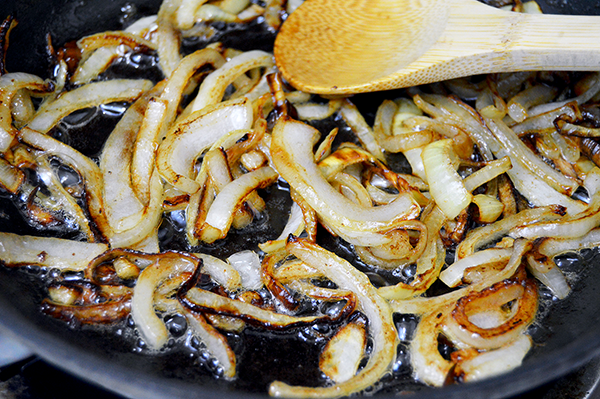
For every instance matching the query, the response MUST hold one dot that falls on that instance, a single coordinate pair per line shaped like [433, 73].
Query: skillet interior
[567, 337]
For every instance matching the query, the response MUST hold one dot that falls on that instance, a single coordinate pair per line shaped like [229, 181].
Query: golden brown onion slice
[292, 153]
[90, 95]
[375, 308]
[179, 151]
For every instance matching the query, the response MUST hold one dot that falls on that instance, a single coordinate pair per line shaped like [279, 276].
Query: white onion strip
[90, 95]
[10, 85]
[381, 325]
[177, 154]
[88, 170]
[21, 250]
[213, 87]
[151, 327]
[291, 149]
[221, 213]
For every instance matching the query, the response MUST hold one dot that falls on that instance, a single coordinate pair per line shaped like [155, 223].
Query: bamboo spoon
[352, 46]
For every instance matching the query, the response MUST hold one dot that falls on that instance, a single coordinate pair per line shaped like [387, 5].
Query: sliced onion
[148, 223]
[112, 38]
[292, 154]
[177, 154]
[11, 178]
[519, 104]
[123, 208]
[88, 170]
[461, 328]
[361, 129]
[146, 144]
[216, 344]
[489, 208]
[445, 184]
[546, 271]
[247, 264]
[21, 250]
[452, 275]
[428, 364]
[489, 364]
[10, 85]
[90, 95]
[552, 246]
[151, 327]
[376, 309]
[480, 236]
[222, 272]
[213, 87]
[341, 356]
[167, 38]
[197, 299]
[220, 215]
[425, 305]
[519, 153]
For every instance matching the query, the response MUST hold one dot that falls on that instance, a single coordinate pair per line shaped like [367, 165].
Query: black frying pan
[566, 339]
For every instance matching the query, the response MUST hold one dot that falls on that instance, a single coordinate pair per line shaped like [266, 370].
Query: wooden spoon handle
[480, 39]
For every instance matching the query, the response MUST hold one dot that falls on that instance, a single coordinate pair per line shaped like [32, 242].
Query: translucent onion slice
[167, 37]
[112, 38]
[291, 149]
[553, 246]
[518, 152]
[87, 169]
[90, 95]
[546, 271]
[535, 95]
[213, 87]
[428, 364]
[247, 264]
[151, 327]
[10, 85]
[222, 272]
[481, 236]
[341, 356]
[92, 66]
[11, 178]
[64, 201]
[490, 208]
[452, 275]
[445, 184]
[361, 129]
[185, 142]
[568, 227]
[425, 305]
[380, 322]
[21, 250]
[230, 198]
[215, 343]
[545, 121]
[148, 223]
[146, 144]
[123, 208]
[200, 300]
[491, 363]
[593, 89]
[454, 112]
[499, 294]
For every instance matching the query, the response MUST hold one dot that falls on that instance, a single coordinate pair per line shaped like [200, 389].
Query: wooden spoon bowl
[352, 46]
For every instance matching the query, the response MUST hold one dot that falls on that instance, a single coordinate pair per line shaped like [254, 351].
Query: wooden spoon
[352, 46]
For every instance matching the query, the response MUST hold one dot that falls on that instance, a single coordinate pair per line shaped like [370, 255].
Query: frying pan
[566, 338]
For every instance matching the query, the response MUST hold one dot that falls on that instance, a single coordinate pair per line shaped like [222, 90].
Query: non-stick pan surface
[566, 338]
